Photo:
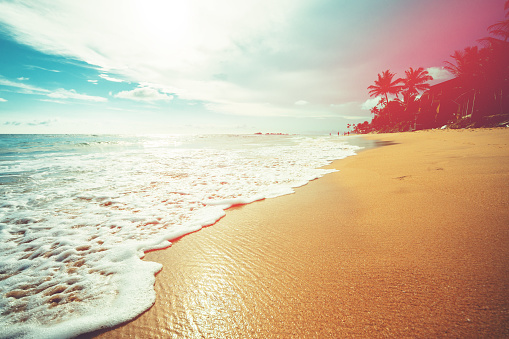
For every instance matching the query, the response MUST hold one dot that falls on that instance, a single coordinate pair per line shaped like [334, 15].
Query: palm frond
[500, 29]
[416, 81]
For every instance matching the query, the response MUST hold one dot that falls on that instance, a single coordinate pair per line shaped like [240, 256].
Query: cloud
[31, 123]
[345, 104]
[23, 79]
[3, 100]
[174, 43]
[54, 101]
[42, 68]
[72, 94]
[439, 73]
[370, 103]
[25, 88]
[301, 103]
[13, 123]
[143, 93]
[57, 94]
[107, 77]
[41, 123]
[93, 81]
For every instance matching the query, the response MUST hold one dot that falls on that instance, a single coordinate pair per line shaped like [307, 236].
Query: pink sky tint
[423, 34]
[432, 31]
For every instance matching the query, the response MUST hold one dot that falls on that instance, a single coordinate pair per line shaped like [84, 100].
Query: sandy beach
[407, 240]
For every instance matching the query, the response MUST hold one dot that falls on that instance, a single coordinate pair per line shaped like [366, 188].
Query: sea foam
[78, 212]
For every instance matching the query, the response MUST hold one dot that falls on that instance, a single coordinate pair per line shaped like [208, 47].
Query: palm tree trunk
[501, 100]
[473, 106]
[387, 106]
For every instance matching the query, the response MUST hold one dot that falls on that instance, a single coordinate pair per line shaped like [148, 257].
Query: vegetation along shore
[477, 96]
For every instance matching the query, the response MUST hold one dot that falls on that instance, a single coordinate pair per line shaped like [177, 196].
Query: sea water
[77, 212]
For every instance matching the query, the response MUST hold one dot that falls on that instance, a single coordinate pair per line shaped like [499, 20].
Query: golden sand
[407, 240]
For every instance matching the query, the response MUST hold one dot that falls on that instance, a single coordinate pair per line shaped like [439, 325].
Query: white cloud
[144, 93]
[349, 104]
[72, 94]
[44, 69]
[93, 81]
[107, 77]
[57, 94]
[162, 88]
[354, 117]
[439, 73]
[3, 100]
[41, 122]
[370, 103]
[173, 43]
[25, 88]
[54, 101]
[301, 103]
[23, 79]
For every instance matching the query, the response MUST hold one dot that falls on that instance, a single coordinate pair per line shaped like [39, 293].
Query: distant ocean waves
[77, 213]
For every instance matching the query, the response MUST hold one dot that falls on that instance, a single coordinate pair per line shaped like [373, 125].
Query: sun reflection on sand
[214, 303]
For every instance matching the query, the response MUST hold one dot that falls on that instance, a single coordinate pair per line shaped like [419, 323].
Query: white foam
[75, 224]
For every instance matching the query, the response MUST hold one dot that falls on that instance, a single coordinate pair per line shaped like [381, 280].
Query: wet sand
[407, 240]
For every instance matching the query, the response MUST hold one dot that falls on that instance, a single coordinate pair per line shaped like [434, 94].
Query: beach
[410, 239]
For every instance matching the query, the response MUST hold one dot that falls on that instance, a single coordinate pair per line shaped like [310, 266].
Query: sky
[222, 66]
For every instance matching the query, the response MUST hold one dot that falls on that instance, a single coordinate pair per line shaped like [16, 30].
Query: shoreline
[405, 240]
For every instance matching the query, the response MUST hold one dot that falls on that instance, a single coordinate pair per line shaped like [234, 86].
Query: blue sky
[299, 66]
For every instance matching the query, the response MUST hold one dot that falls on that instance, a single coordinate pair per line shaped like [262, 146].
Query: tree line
[475, 97]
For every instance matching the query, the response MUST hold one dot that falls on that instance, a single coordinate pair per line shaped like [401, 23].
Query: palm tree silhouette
[501, 28]
[469, 64]
[482, 74]
[385, 86]
[415, 81]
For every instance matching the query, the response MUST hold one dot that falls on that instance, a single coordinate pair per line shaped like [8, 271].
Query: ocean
[77, 212]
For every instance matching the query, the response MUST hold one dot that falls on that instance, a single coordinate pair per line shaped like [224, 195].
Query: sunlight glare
[164, 20]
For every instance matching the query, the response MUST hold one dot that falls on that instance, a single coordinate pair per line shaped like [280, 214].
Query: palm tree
[494, 63]
[415, 81]
[481, 74]
[385, 85]
[469, 63]
[501, 28]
